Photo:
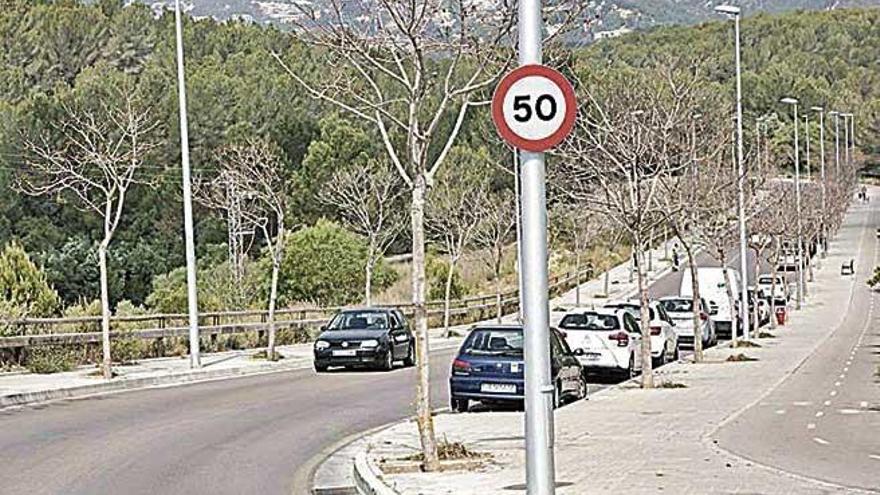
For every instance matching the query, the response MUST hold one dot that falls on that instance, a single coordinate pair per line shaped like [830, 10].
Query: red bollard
[780, 315]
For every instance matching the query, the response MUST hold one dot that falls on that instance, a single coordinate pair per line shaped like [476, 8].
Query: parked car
[604, 340]
[489, 368]
[765, 284]
[757, 298]
[664, 340]
[369, 337]
[713, 288]
[681, 310]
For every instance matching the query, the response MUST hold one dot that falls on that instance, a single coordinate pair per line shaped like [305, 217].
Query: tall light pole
[851, 137]
[192, 295]
[734, 13]
[846, 158]
[836, 115]
[807, 132]
[821, 112]
[540, 470]
[797, 194]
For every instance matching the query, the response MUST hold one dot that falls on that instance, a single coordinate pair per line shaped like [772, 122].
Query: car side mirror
[713, 311]
[578, 352]
[323, 328]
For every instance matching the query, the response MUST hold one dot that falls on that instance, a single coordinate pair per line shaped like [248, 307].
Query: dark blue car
[489, 368]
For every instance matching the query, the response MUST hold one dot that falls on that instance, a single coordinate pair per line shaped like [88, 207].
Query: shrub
[436, 271]
[51, 359]
[24, 290]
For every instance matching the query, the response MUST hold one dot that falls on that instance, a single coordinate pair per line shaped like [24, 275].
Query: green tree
[23, 285]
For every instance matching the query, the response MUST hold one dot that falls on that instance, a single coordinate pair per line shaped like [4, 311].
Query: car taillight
[655, 330]
[621, 337]
[461, 366]
[703, 316]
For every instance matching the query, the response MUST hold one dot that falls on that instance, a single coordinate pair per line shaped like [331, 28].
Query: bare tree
[364, 196]
[414, 70]
[456, 209]
[257, 172]
[494, 236]
[98, 157]
[575, 223]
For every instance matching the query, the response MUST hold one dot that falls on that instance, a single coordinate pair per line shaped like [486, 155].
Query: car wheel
[410, 359]
[388, 362]
[557, 396]
[632, 366]
[583, 389]
[676, 353]
[661, 360]
[460, 405]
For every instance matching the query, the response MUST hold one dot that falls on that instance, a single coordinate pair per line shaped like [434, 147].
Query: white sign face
[534, 108]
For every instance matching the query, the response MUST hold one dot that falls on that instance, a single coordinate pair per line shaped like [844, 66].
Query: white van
[713, 289]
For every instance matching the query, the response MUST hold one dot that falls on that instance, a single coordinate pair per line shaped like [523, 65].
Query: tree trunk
[734, 312]
[106, 368]
[499, 304]
[368, 281]
[607, 283]
[773, 272]
[755, 311]
[420, 321]
[447, 292]
[577, 278]
[647, 365]
[273, 297]
[695, 301]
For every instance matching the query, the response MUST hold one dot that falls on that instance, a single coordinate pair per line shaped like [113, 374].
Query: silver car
[681, 310]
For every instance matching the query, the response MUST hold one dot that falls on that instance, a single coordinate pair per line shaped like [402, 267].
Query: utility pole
[807, 132]
[797, 194]
[836, 115]
[821, 112]
[192, 295]
[519, 266]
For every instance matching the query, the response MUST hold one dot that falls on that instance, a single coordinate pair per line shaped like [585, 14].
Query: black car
[489, 368]
[369, 337]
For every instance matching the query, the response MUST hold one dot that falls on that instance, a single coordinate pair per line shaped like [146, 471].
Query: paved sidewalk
[628, 440]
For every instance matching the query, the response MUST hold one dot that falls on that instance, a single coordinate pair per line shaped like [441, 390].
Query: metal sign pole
[538, 387]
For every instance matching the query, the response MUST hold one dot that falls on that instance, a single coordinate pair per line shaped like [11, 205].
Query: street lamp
[734, 13]
[797, 194]
[189, 240]
[821, 112]
[836, 115]
[807, 132]
[850, 131]
[846, 158]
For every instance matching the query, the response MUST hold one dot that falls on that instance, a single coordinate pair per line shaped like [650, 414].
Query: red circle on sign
[508, 134]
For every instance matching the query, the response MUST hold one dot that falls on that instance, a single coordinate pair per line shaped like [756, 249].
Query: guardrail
[31, 332]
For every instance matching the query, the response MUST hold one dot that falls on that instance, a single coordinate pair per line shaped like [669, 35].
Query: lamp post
[821, 112]
[797, 194]
[735, 13]
[807, 132]
[851, 138]
[189, 238]
[846, 158]
[836, 115]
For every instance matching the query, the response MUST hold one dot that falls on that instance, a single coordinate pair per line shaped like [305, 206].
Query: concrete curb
[366, 477]
[122, 385]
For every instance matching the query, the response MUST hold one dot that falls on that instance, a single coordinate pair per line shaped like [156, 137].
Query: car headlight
[321, 345]
[370, 343]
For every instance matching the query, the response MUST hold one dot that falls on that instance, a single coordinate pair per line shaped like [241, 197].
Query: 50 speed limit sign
[534, 108]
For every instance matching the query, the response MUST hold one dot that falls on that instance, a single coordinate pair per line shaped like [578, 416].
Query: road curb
[124, 385]
[366, 477]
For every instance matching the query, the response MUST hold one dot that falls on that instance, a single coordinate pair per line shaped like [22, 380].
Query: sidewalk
[628, 440]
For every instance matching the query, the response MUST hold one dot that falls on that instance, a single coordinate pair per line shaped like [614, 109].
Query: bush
[436, 271]
[51, 359]
[24, 290]
[217, 290]
[324, 264]
[125, 348]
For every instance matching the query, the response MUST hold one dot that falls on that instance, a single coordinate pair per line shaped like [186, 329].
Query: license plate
[592, 356]
[498, 388]
[345, 353]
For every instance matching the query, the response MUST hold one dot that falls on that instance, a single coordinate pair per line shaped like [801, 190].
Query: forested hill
[604, 18]
[56, 54]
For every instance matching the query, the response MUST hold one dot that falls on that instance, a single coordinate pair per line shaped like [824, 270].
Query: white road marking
[821, 441]
[849, 411]
[843, 375]
[801, 403]
[811, 426]
[845, 369]
[836, 384]
[874, 456]
[827, 402]
[863, 404]
[833, 393]
[780, 411]
[820, 414]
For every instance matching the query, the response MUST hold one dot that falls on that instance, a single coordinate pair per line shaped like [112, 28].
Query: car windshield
[589, 321]
[768, 281]
[632, 308]
[678, 305]
[359, 320]
[494, 342]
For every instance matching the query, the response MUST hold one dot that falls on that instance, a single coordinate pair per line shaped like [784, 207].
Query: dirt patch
[740, 358]
[454, 456]
[745, 344]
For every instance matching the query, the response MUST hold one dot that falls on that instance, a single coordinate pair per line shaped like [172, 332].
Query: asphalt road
[823, 421]
[247, 435]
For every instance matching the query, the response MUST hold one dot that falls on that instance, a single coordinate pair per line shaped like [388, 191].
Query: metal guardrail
[236, 322]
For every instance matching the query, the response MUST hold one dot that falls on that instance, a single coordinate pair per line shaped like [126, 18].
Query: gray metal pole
[192, 297]
[807, 132]
[822, 166]
[837, 145]
[539, 389]
[797, 195]
[517, 181]
[744, 262]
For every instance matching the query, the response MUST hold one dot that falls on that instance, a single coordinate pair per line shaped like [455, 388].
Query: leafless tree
[414, 70]
[455, 212]
[99, 156]
[364, 196]
[494, 236]
[255, 171]
[576, 224]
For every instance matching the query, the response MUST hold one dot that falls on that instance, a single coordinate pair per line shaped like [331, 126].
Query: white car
[604, 340]
[681, 310]
[765, 284]
[664, 340]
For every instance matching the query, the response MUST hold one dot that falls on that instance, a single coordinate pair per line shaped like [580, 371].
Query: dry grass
[745, 344]
[740, 358]
[766, 335]
[449, 451]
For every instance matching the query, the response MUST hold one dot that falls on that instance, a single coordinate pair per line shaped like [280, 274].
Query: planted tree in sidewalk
[455, 212]
[254, 170]
[97, 157]
[494, 235]
[415, 80]
[364, 197]
[576, 224]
